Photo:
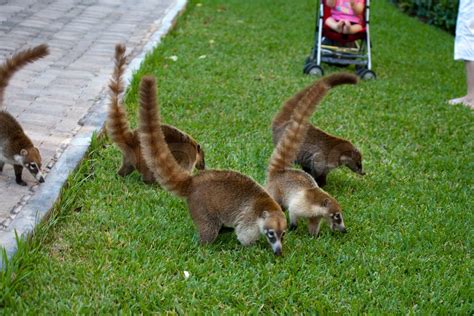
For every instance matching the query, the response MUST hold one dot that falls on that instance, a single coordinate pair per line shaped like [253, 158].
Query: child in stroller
[346, 16]
[342, 38]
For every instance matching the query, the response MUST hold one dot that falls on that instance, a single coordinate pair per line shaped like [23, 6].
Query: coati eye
[32, 166]
[271, 236]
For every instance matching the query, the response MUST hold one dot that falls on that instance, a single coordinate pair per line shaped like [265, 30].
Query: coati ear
[198, 148]
[326, 203]
[345, 158]
[23, 152]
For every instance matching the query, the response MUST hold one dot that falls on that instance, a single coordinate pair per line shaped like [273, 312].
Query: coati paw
[21, 182]
[293, 226]
[313, 232]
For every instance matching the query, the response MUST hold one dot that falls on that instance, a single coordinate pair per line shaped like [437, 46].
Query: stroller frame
[333, 51]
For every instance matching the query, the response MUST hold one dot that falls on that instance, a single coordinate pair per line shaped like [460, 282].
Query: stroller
[340, 49]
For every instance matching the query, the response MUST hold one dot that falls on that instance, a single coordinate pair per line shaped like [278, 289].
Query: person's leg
[468, 99]
[470, 78]
[334, 25]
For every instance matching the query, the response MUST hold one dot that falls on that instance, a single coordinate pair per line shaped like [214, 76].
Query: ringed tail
[117, 123]
[287, 148]
[18, 61]
[284, 115]
[156, 152]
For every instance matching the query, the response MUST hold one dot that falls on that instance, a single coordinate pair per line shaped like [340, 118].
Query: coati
[16, 147]
[320, 152]
[184, 148]
[215, 198]
[295, 190]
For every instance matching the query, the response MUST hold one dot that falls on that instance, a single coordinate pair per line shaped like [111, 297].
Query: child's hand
[357, 8]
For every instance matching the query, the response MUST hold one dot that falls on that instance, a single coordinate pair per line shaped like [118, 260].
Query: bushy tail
[284, 115]
[155, 150]
[287, 148]
[117, 123]
[16, 62]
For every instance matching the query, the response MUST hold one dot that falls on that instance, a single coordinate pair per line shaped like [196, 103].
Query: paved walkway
[57, 97]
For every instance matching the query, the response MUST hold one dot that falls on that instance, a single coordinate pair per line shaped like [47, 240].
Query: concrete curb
[40, 204]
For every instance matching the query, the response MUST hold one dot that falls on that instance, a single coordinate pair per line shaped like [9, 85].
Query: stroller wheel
[366, 74]
[314, 70]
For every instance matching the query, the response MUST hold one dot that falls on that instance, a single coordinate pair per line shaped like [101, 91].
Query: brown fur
[184, 148]
[293, 189]
[16, 147]
[18, 61]
[320, 152]
[215, 198]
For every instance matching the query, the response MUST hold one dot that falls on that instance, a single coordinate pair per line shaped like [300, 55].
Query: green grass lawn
[115, 243]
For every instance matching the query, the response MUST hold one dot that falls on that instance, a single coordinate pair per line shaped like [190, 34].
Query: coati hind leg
[314, 225]
[126, 168]
[148, 178]
[18, 170]
[208, 228]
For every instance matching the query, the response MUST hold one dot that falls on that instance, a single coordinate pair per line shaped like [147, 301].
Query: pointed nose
[343, 230]
[277, 252]
[41, 180]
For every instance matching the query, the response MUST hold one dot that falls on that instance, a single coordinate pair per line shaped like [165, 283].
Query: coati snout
[334, 215]
[353, 160]
[274, 229]
[31, 160]
[337, 223]
[16, 147]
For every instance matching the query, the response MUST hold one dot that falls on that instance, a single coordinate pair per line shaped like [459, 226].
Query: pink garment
[343, 11]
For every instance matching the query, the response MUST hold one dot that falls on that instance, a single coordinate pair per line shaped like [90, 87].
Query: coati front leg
[320, 180]
[293, 220]
[18, 170]
[126, 168]
[314, 225]
[320, 177]
[247, 234]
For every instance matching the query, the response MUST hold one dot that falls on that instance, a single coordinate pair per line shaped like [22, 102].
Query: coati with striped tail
[215, 198]
[320, 152]
[295, 190]
[16, 148]
[184, 148]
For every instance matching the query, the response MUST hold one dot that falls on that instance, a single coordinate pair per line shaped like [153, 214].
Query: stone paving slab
[61, 99]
